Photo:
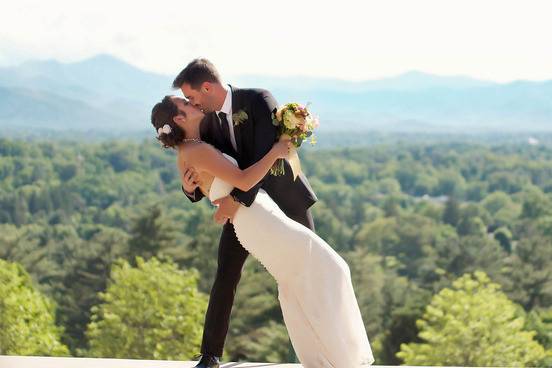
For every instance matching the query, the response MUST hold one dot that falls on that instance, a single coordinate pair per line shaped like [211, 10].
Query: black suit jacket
[254, 138]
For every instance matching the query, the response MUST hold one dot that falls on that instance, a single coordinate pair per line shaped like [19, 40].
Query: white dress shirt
[227, 109]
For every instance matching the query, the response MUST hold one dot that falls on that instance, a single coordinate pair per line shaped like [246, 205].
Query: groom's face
[201, 97]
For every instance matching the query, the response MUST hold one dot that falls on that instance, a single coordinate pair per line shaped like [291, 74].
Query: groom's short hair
[195, 73]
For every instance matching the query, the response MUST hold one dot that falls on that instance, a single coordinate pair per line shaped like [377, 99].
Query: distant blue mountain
[104, 93]
[100, 78]
[410, 81]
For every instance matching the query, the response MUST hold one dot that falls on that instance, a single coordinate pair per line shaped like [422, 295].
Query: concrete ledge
[15, 361]
[8, 361]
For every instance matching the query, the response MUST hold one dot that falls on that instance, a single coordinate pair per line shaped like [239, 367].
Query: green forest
[449, 245]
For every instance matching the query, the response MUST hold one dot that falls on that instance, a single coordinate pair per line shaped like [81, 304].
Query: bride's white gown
[316, 295]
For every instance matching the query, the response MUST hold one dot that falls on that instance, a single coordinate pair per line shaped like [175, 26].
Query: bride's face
[187, 112]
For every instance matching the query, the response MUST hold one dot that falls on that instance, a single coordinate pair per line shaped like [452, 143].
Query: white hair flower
[164, 129]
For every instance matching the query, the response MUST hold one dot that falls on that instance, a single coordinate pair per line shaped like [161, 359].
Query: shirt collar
[227, 105]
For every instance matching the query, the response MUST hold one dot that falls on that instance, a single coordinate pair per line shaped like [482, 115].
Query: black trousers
[231, 257]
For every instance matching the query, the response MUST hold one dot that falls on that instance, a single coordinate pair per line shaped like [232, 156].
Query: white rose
[290, 120]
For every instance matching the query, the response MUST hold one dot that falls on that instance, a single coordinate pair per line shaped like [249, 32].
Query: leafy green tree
[120, 157]
[369, 278]
[152, 311]
[504, 237]
[330, 226]
[451, 183]
[476, 191]
[151, 232]
[26, 317]
[536, 204]
[473, 221]
[425, 184]
[54, 198]
[508, 182]
[540, 321]
[451, 214]
[20, 212]
[391, 206]
[389, 303]
[494, 202]
[203, 247]
[472, 324]
[407, 176]
[466, 254]
[87, 274]
[411, 239]
[400, 327]
[268, 342]
[377, 235]
[529, 270]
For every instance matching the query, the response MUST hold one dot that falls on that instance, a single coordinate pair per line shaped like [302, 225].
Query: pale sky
[355, 40]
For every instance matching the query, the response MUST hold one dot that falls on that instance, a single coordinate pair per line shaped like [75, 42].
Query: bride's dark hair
[162, 114]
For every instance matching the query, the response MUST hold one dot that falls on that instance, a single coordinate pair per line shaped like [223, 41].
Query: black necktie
[225, 127]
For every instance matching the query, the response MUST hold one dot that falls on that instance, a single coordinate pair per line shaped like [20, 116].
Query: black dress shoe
[208, 361]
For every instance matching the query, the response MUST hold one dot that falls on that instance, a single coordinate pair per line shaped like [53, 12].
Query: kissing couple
[228, 161]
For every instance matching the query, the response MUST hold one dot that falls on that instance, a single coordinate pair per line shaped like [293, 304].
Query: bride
[315, 291]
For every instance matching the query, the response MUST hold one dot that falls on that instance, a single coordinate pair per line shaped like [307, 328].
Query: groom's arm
[196, 196]
[264, 137]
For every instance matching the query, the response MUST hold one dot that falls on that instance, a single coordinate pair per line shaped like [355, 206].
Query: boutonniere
[239, 117]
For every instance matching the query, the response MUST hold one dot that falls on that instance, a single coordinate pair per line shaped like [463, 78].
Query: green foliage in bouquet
[295, 121]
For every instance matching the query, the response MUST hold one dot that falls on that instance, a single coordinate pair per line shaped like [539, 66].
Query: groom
[239, 123]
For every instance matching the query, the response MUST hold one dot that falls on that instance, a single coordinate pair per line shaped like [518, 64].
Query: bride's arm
[204, 157]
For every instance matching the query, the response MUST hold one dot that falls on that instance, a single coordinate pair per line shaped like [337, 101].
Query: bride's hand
[190, 180]
[282, 148]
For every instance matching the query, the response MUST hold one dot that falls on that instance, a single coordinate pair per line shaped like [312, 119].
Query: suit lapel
[237, 104]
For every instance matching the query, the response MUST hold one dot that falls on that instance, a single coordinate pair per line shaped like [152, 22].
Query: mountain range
[106, 94]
